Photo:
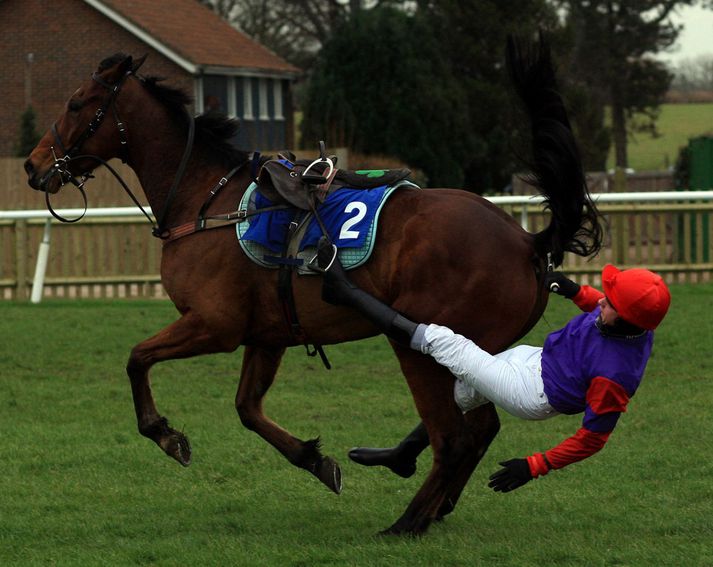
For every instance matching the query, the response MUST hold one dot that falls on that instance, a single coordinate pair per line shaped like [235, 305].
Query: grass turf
[80, 486]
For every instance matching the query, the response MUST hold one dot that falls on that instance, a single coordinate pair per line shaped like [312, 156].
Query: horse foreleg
[258, 373]
[182, 339]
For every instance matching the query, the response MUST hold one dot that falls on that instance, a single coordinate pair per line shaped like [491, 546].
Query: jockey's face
[608, 313]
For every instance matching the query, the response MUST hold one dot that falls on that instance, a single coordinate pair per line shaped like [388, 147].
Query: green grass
[80, 486]
[677, 123]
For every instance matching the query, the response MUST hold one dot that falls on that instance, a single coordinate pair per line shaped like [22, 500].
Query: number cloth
[347, 214]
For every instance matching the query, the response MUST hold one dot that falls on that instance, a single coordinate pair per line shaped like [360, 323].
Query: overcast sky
[696, 38]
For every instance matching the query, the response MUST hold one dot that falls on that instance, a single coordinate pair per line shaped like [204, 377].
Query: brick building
[50, 46]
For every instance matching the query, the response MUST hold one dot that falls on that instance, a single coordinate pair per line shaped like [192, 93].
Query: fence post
[41, 267]
[619, 221]
[21, 258]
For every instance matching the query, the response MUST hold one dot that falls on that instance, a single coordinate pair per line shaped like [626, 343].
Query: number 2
[361, 209]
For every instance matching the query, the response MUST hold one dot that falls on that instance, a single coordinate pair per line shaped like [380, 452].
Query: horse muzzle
[51, 181]
[34, 179]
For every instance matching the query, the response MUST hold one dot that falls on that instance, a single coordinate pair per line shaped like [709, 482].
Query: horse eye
[74, 105]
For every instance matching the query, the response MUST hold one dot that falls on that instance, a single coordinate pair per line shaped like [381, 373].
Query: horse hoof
[395, 532]
[330, 474]
[179, 448]
[399, 528]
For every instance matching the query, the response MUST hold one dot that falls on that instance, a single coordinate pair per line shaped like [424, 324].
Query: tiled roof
[194, 33]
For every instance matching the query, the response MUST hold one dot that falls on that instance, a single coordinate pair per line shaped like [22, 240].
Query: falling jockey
[593, 365]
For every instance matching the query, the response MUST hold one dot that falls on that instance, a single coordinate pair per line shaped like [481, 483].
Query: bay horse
[442, 255]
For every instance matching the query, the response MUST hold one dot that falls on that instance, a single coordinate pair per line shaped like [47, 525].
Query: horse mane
[214, 130]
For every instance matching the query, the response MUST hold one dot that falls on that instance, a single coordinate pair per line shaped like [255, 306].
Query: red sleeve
[605, 396]
[587, 298]
[605, 401]
[581, 445]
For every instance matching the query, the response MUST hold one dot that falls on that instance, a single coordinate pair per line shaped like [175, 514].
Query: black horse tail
[557, 168]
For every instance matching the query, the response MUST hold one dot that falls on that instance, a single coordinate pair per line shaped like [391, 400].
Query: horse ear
[129, 65]
[126, 65]
[139, 62]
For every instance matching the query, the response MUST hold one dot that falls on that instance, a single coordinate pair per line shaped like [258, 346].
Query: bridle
[96, 122]
[60, 165]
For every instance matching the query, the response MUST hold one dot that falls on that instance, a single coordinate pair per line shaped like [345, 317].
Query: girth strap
[287, 298]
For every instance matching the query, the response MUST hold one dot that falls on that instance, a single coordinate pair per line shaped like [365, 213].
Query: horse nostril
[32, 179]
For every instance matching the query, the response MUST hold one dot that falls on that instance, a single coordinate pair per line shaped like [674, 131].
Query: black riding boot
[338, 290]
[400, 459]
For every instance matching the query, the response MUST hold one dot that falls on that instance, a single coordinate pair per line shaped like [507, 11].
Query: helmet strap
[620, 329]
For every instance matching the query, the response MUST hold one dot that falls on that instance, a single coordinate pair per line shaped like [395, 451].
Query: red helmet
[639, 296]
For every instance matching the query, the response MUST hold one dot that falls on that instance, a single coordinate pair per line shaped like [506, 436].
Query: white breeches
[511, 379]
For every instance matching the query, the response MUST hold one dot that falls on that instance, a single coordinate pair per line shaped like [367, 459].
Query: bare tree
[294, 29]
[694, 74]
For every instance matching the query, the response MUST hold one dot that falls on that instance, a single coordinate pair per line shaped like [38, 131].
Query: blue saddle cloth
[350, 217]
[347, 215]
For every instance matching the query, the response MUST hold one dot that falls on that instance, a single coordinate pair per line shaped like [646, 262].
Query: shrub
[28, 134]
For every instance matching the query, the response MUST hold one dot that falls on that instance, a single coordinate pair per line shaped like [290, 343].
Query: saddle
[303, 183]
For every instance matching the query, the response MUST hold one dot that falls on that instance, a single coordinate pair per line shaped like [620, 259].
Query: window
[215, 94]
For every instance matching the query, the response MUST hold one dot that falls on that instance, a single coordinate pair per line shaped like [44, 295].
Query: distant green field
[677, 123]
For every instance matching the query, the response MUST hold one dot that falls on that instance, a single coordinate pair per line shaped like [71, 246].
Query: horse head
[79, 136]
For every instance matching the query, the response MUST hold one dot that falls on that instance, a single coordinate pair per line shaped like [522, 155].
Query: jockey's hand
[560, 284]
[514, 474]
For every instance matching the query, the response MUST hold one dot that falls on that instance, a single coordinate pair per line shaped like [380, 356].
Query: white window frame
[277, 99]
[262, 99]
[198, 95]
[232, 104]
[248, 99]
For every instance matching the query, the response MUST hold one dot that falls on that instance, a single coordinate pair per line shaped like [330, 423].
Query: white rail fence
[670, 231]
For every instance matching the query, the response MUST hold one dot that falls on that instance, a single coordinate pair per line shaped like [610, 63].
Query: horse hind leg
[184, 338]
[481, 426]
[432, 389]
[258, 373]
